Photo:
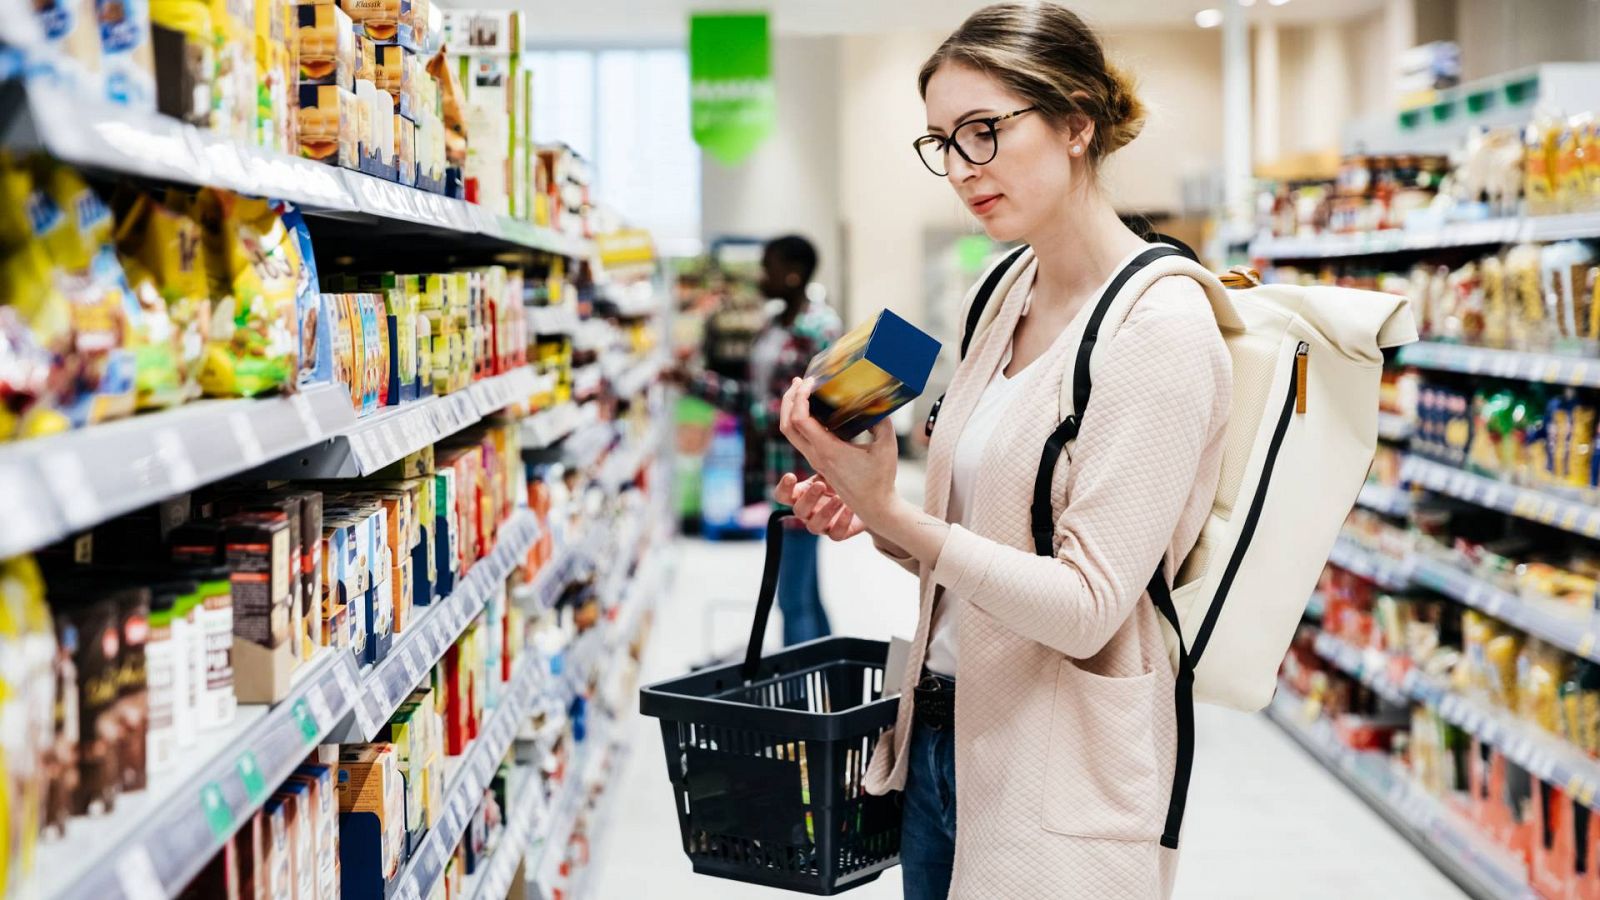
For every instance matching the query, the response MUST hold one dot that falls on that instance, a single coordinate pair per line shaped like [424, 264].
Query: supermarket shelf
[553, 320]
[522, 821]
[1576, 631]
[586, 379]
[548, 426]
[1574, 371]
[585, 447]
[388, 436]
[1488, 232]
[1481, 869]
[464, 792]
[639, 376]
[1387, 574]
[545, 589]
[58, 485]
[1392, 427]
[1381, 498]
[1545, 755]
[157, 840]
[1534, 505]
[99, 135]
[423, 643]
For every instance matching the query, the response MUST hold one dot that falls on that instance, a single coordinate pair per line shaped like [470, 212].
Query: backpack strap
[1043, 517]
[975, 315]
[1043, 526]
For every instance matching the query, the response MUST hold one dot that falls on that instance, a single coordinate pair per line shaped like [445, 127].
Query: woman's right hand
[819, 508]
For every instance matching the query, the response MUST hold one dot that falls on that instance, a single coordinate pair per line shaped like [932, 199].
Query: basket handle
[769, 591]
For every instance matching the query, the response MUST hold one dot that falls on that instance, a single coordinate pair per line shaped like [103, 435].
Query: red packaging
[1554, 869]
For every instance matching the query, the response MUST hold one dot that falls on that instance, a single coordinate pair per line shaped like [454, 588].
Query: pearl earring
[1076, 150]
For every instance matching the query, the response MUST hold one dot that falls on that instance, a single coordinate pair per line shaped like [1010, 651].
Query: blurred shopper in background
[798, 331]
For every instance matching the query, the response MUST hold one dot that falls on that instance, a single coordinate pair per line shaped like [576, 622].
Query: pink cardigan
[1065, 730]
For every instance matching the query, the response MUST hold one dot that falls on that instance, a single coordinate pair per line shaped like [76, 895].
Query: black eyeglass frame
[945, 143]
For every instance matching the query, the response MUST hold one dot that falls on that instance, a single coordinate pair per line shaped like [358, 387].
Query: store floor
[1264, 820]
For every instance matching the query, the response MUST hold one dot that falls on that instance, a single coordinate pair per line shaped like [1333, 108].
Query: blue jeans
[928, 828]
[799, 598]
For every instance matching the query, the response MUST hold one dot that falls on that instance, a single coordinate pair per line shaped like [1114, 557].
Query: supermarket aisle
[1264, 820]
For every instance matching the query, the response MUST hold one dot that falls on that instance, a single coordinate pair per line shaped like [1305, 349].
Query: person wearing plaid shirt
[779, 355]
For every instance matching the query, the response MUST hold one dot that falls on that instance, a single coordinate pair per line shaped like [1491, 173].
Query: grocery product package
[255, 267]
[185, 59]
[127, 55]
[873, 370]
[159, 245]
[69, 323]
[313, 327]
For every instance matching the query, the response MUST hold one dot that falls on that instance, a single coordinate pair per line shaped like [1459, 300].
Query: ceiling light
[1247, 2]
[1278, 2]
[1208, 18]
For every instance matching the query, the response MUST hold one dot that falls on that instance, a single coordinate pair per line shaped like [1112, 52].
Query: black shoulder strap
[980, 300]
[1044, 528]
[1042, 514]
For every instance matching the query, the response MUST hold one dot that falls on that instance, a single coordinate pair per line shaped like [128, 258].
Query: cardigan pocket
[1100, 769]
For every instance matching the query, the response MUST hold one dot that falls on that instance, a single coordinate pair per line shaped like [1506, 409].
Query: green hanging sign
[732, 99]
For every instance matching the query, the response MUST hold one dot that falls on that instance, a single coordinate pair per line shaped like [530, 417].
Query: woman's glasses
[974, 139]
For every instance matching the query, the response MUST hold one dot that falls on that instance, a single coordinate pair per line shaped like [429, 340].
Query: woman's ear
[1080, 133]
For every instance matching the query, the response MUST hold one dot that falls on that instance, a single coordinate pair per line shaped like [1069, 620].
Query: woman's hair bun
[1125, 112]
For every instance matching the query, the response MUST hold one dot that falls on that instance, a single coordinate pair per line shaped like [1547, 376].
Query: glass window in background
[646, 164]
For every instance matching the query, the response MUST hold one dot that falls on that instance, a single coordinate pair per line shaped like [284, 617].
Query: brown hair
[1044, 53]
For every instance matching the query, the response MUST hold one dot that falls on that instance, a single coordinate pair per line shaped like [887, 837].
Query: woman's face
[1032, 172]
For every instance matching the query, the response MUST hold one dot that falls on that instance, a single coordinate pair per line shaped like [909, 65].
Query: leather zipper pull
[1302, 360]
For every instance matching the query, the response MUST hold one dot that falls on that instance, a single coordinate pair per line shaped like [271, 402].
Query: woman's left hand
[861, 474]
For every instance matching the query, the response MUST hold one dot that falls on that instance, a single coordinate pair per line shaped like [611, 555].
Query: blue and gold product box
[873, 370]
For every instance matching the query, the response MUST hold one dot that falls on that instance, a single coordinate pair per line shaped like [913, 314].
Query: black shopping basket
[767, 758]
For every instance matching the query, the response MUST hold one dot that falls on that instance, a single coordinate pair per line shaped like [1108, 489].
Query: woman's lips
[984, 204]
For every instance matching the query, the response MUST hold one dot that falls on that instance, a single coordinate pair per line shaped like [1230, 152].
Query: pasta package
[875, 369]
[254, 266]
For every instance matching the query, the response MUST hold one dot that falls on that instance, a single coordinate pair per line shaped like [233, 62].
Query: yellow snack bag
[253, 263]
[160, 247]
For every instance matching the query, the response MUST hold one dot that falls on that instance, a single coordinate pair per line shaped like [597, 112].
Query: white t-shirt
[942, 656]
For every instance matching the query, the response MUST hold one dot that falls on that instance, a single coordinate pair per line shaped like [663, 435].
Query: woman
[1058, 748]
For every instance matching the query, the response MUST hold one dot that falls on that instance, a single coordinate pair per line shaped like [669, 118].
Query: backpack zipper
[1294, 399]
[1302, 361]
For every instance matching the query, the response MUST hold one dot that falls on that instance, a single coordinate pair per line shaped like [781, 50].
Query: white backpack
[1300, 438]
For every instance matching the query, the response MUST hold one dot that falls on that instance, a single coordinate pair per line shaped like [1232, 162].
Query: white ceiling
[665, 21]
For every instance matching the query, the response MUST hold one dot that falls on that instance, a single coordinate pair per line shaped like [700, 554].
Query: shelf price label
[255, 785]
[214, 807]
[305, 720]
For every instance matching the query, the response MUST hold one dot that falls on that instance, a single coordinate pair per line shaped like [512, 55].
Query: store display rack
[637, 376]
[552, 320]
[1390, 575]
[1393, 428]
[522, 821]
[470, 779]
[1482, 870]
[1576, 631]
[423, 643]
[1484, 233]
[1382, 498]
[1548, 368]
[548, 426]
[158, 839]
[1543, 506]
[155, 841]
[387, 437]
[1545, 755]
[62, 484]
[108, 138]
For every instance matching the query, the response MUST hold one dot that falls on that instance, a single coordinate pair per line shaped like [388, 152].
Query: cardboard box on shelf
[258, 555]
[395, 66]
[405, 151]
[326, 45]
[127, 58]
[483, 31]
[327, 125]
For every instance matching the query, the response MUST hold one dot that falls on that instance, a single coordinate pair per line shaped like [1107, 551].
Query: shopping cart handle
[769, 591]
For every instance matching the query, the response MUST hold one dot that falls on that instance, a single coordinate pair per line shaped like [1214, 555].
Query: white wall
[1500, 35]
[1179, 77]
[887, 200]
[791, 183]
